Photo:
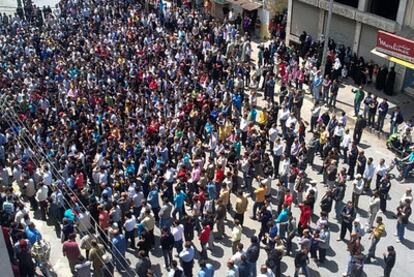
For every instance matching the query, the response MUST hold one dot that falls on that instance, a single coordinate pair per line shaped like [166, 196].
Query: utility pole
[326, 39]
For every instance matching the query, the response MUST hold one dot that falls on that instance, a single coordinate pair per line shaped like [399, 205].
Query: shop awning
[251, 6]
[221, 2]
[393, 59]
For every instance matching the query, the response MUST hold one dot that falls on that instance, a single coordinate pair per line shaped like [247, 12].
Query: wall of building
[351, 27]
[304, 18]
[409, 14]
[342, 30]
[367, 42]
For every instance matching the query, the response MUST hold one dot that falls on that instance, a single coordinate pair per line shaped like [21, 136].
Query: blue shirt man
[32, 233]
[153, 198]
[179, 199]
[206, 270]
[211, 190]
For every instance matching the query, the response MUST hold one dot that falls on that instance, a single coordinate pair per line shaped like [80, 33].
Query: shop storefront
[399, 51]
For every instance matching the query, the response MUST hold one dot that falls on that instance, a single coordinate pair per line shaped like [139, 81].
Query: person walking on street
[360, 125]
[389, 260]
[396, 120]
[178, 233]
[206, 269]
[403, 213]
[221, 211]
[375, 236]
[71, 251]
[382, 113]
[187, 258]
[384, 189]
[119, 246]
[358, 188]
[355, 249]
[352, 160]
[96, 257]
[129, 226]
[252, 254]
[232, 269]
[167, 245]
[236, 234]
[374, 206]
[301, 262]
[204, 237]
[323, 241]
[260, 194]
[359, 96]
[240, 207]
[291, 233]
[348, 215]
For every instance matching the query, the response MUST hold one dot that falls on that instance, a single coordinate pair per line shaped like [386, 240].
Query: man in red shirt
[71, 251]
[204, 237]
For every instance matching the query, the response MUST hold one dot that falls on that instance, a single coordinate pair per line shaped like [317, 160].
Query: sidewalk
[345, 102]
[345, 99]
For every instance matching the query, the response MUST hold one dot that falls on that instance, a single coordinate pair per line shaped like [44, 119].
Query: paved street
[337, 255]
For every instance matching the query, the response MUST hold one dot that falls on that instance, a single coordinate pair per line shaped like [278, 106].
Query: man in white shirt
[315, 113]
[345, 144]
[291, 121]
[137, 200]
[278, 149]
[368, 174]
[236, 258]
[380, 170]
[284, 170]
[358, 185]
[41, 197]
[339, 133]
[374, 206]
[47, 176]
[129, 227]
[273, 132]
[178, 233]
[244, 124]
[283, 116]
[84, 222]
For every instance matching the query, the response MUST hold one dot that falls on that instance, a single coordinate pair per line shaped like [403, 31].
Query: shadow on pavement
[248, 232]
[330, 265]
[217, 251]
[408, 243]
[330, 252]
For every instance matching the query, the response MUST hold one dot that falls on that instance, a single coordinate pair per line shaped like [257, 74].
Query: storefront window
[387, 9]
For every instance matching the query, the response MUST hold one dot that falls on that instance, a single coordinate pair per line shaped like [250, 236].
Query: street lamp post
[326, 38]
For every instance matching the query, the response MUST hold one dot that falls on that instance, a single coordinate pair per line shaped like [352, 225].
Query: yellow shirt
[379, 230]
[241, 205]
[225, 196]
[260, 195]
[261, 117]
[324, 137]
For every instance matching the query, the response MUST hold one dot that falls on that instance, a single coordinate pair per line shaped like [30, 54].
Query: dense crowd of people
[122, 118]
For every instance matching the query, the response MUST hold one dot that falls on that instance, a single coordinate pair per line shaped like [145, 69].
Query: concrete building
[355, 24]
[263, 10]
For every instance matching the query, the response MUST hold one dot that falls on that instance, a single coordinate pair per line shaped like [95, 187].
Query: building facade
[263, 11]
[355, 24]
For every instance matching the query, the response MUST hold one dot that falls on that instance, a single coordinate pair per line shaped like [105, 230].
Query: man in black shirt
[389, 260]
[252, 254]
[301, 262]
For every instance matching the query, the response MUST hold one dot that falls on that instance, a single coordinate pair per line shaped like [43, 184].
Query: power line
[30, 143]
